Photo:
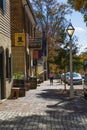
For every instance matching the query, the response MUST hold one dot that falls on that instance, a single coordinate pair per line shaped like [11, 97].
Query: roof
[29, 10]
[30, 6]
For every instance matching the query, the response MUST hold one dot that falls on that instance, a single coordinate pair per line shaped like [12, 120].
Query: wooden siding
[5, 20]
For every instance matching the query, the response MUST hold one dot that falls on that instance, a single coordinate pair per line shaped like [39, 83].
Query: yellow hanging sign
[19, 39]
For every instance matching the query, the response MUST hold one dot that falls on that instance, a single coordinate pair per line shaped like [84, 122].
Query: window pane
[1, 4]
[4, 5]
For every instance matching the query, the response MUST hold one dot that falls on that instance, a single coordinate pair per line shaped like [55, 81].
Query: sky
[80, 28]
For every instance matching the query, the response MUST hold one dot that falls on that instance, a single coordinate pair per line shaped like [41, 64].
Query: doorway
[1, 73]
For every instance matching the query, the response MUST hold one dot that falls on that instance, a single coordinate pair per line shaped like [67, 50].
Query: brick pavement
[45, 108]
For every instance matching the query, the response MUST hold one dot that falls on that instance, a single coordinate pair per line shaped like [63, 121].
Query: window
[3, 5]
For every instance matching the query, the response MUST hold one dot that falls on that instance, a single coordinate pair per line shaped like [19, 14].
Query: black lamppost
[70, 31]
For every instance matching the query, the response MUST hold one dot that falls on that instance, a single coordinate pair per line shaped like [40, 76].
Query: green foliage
[77, 64]
[18, 75]
[81, 6]
[63, 54]
[62, 59]
[85, 17]
[37, 75]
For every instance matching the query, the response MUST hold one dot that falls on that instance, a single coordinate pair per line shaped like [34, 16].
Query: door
[1, 73]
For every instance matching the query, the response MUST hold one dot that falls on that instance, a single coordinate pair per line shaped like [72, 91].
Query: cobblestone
[45, 108]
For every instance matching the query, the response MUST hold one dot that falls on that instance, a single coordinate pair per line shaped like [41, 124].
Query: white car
[77, 79]
[64, 76]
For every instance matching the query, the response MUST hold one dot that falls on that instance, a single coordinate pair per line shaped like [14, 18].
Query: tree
[51, 18]
[63, 54]
[81, 6]
[83, 57]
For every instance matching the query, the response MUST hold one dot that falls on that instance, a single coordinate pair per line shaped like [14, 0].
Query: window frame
[3, 5]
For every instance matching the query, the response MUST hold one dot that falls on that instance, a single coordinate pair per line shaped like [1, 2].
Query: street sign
[35, 43]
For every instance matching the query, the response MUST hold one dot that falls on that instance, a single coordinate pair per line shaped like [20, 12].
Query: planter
[32, 82]
[19, 84]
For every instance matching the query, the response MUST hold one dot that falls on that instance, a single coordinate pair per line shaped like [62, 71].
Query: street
[46, 108]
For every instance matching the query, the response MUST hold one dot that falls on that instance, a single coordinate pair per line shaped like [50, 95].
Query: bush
[18, 75]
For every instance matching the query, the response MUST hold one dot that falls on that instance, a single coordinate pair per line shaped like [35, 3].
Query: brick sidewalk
[45, 108]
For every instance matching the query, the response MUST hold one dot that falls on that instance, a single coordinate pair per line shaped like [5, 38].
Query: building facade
[5, 50]
[22, 28]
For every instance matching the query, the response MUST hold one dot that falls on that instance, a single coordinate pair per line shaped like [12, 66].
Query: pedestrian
[51, 76]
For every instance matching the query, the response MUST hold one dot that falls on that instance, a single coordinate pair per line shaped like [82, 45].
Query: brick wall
[18, 59]
[17, 18]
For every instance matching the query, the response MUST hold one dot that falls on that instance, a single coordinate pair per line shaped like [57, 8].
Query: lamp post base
[71, 92]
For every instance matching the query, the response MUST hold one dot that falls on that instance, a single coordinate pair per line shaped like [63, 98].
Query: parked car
[67, 76]
[83, 77]
[77, 79]
[85, 85]
[64, 76]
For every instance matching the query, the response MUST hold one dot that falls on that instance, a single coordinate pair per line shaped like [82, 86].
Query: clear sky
[80, 28]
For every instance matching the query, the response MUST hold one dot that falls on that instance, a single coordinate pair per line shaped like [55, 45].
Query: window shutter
[10, 67]
[7, 63]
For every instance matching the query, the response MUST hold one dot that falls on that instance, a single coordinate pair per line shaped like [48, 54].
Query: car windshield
[68, 74]
[76, 75]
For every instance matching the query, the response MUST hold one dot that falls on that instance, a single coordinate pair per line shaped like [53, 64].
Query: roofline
[30, 6]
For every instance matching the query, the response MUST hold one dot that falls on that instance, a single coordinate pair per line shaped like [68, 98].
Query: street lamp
[70, 31]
